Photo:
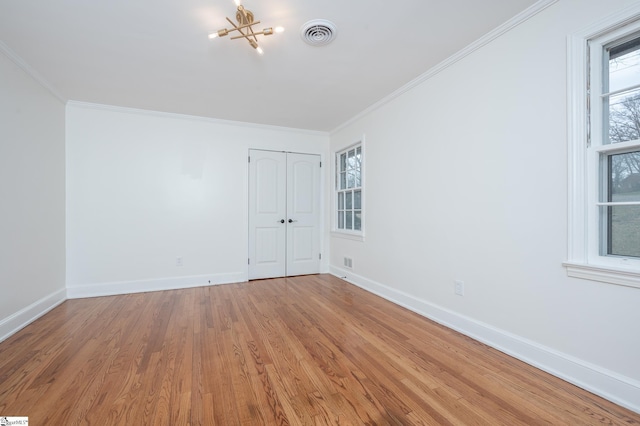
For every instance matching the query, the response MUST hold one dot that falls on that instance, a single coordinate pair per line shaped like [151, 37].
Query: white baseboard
[619, 389]
[141, 286]
[14, 323]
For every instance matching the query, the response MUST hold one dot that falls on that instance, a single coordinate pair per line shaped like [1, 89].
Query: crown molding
[523, 16]
[13, 56]
[173, 115]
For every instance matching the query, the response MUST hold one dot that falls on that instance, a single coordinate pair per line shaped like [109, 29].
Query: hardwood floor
[299, 351]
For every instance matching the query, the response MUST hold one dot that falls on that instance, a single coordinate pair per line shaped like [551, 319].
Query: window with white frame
[349, 183]
[605, 154]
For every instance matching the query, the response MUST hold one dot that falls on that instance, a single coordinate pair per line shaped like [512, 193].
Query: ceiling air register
[318, 32]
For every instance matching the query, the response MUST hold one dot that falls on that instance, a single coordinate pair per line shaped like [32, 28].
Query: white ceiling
[155, 54]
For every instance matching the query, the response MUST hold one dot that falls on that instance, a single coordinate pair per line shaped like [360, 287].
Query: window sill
[346, 236]
[606, 274]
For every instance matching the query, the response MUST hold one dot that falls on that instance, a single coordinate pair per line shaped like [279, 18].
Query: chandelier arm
[249, 25]
[253, 34]
[239, 27]
[232, 23]
[245, 36]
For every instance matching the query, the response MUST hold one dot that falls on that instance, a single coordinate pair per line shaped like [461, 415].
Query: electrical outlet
[179, 261]
[459, 288]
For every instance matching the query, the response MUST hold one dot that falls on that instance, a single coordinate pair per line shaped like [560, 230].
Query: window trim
[584, 260]
[345, 233]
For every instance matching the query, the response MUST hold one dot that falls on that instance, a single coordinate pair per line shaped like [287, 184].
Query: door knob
[281, 221]
[291, 220]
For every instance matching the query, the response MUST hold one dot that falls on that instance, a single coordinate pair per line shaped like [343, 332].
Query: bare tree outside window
[623, 177]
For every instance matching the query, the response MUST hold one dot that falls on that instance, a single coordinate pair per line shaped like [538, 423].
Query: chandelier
[244, 26]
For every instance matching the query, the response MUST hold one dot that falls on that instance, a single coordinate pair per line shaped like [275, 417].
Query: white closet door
[267, 214]
[284, 214]
[303, 214]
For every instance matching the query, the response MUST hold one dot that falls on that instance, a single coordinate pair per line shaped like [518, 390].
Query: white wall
[467, 180]
[145, 188]
[32, 236]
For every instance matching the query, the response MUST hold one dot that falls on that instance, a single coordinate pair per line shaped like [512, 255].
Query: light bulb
[279, 29]
[213, 35]
[260, 51]
[237, 2]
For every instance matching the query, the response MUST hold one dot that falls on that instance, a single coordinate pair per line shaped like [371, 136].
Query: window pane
[351, 179]
[343, 162]
[358, 169]
[340, 220]
[343, 181]
[624, 114]
[357, 200]
[349, 220]
[349, 202]
[624, 65]
[624, 231]
[624, 177]
[352, 160]
[357, 220]
[340, 200]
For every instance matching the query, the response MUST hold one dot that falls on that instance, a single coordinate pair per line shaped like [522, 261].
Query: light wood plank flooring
[310, 350]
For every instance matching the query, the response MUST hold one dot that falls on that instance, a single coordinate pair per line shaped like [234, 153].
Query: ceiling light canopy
[244, 26]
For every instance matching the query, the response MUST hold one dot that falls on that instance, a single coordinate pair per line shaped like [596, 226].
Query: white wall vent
[318, 32]
[348, 262]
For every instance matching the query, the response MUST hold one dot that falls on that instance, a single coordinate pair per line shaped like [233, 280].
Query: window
[349, 190]
[604, 137]
[616, 145]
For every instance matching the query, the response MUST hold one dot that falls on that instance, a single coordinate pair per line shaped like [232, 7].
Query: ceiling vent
[318, 32]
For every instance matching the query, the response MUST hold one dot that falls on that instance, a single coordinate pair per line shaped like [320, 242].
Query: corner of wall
[27, 315]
